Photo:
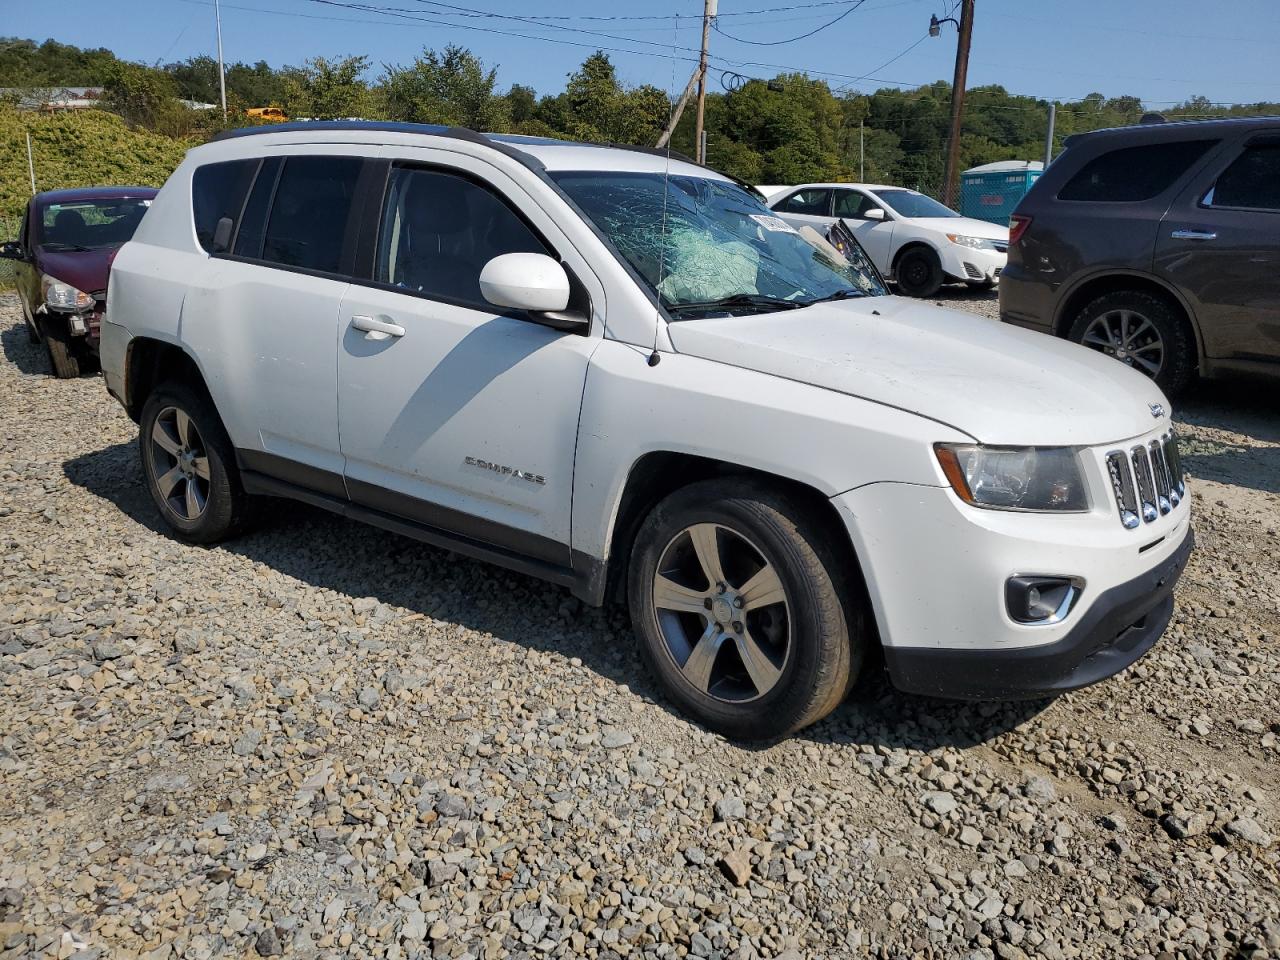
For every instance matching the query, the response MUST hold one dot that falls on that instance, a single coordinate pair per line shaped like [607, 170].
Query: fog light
[1032, 599]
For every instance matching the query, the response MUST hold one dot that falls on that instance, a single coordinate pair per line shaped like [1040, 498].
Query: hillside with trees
[784, 129]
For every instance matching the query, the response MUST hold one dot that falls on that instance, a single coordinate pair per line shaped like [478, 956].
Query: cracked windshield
[722, 250]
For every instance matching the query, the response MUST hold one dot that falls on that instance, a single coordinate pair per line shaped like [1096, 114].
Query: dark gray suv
[1158, 244]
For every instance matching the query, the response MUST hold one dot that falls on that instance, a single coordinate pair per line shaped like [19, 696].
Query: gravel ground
[322, 740]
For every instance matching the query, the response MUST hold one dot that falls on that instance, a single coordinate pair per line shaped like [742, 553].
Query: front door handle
[1193, 235]
[375, 329]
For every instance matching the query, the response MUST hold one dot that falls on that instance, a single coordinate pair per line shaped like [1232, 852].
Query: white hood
[998, 383]
[963, 226]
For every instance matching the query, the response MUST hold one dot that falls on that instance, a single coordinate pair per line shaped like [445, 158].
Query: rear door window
[314, 200]
[1251, 182]
[253, 224]
[808, 203]
[1132, 174]
[217, 191]
[854, 205]
[438, 232]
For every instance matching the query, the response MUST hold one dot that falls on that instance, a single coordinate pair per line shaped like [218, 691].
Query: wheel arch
[150, 362]
[656, 475]
[913, 244]
[1090, 288]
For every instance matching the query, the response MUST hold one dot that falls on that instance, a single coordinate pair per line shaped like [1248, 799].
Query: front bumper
[936, 570]
[1121, 625]
[971, 265]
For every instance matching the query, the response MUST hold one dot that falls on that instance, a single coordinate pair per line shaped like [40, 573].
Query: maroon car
[61, 262]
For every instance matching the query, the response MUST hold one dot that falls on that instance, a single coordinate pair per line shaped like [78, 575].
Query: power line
[778, 43]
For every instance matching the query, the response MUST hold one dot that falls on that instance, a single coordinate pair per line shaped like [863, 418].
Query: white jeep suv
[910, 237]
[622, 373]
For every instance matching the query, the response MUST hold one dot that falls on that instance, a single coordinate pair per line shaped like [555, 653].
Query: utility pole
[708, 14]
[679, 109]
[957, 102]
[222, 73]
[1048, 140]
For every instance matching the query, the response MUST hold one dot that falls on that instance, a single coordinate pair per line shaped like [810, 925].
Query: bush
[77, 149]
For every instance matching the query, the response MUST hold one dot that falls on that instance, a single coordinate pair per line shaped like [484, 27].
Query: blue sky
[1160, 50]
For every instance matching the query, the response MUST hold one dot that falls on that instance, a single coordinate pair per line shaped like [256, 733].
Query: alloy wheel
[180, 463]
[1129, 337]
[723, 613]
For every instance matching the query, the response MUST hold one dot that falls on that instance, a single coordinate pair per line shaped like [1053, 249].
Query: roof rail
[383, 126]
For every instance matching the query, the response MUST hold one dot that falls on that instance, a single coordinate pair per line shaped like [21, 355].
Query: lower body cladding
[938, 573]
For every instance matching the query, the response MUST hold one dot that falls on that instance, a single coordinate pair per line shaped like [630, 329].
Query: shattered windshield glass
[722, 251]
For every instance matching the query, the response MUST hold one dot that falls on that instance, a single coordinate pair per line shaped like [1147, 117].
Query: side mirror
[525, 281]
[12, 250]
[222, 235]
[875, 213]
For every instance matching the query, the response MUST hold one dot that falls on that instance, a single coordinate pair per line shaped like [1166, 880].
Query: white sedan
[912, 239]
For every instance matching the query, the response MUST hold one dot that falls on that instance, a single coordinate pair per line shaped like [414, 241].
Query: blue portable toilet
[991, 191]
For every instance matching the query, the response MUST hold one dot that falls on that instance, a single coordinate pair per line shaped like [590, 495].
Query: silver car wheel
[180, 464]
[1129, 337]
[723, 613]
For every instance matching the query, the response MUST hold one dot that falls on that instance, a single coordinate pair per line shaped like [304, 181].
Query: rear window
[1133, 173]
[812, 203]
[217, 191]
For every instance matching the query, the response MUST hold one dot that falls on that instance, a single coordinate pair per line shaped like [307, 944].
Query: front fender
[827, 441]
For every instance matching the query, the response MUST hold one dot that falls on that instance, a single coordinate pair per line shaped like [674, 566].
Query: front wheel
[63, 357]
[190, 465]
[919, 272]
[741, 610]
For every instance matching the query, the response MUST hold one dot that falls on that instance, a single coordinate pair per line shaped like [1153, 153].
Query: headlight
[63, 296]
[1014, 478]
[977, 243]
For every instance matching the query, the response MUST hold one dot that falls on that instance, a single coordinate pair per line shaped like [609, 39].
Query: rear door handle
[1193, 235]
[375, 329]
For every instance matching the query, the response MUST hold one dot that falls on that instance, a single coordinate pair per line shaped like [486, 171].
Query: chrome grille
[1146, 480]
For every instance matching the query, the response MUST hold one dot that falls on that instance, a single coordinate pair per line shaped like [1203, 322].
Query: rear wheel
[739, 605]
[1142, 332]
[190, 465]
[919, 272]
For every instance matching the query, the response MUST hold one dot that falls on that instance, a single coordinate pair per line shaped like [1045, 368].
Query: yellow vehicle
[267, 114]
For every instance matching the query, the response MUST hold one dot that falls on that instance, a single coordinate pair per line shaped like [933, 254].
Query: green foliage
[452, 87]
[786, 130]
[597, 108]
[77, 149]
[325, 89]
[24, 63]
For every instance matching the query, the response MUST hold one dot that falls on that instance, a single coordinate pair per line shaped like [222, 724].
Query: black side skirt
[267, 475]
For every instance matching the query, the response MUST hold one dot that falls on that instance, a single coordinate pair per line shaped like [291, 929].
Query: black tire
[226, 507]
[1177, 349]
[825, 637]
[63, 357]
[919, 272]
[33, 335]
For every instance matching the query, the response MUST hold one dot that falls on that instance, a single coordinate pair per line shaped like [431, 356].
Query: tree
[522, 103]
[597, 108]
[452, 88]
[327, 89]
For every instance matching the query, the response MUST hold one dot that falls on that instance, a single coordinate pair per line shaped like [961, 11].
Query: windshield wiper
[849, 294]
[759, 301]
[72, 247]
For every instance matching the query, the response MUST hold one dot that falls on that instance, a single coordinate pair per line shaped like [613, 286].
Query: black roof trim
[1178, 124]
[382, 126]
